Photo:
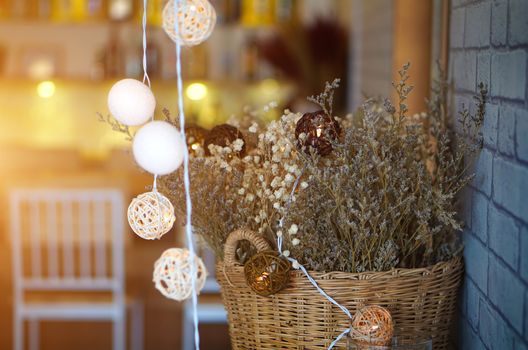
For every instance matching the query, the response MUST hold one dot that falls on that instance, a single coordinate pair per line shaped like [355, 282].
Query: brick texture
[489, 44]
[508, 74]
[518, 27]
[499, 22]
[477, 25]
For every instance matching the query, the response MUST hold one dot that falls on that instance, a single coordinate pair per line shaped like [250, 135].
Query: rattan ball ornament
[267, 273]
[151, 215]
[224, 135]
[131, 102]
[195, 136]
[196, 19]
[172, 274]
[372, 325]
[158, 147]
[316, 131]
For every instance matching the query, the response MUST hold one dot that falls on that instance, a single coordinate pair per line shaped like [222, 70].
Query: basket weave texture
[421, 301]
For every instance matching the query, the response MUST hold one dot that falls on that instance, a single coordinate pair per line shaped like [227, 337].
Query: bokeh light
[46, 89]
[196, 91]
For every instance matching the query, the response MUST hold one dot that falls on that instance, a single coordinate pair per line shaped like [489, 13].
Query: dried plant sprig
[403, 90]
[116, 126]
[325, 100]
[167, 116]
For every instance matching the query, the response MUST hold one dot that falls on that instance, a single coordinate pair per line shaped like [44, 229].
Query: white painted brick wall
[489, 43]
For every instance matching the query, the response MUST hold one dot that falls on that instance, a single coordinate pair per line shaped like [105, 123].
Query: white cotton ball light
[151, 215]
[172, 274]
[158, 148]
[196, 19]
[131, 102]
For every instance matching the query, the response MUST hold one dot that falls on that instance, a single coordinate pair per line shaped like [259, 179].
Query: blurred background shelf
[62, 114]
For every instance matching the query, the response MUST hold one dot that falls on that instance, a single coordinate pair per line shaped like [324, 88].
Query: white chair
[68, 240]
[208, 312]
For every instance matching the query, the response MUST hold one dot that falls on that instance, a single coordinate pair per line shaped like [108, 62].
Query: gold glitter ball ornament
[372, 325]
[151, 215]
[173, 274]
[267, 273]
[196, 19]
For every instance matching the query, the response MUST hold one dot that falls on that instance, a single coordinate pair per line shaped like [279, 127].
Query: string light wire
[186, 178]
[297, 265]
[146, 78]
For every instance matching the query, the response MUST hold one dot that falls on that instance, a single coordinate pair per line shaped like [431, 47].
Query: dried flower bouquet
[383, 197]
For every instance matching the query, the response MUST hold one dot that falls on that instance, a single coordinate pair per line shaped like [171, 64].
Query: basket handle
[234, 237]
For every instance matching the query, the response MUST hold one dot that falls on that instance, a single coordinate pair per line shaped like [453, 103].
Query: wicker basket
[421, 301]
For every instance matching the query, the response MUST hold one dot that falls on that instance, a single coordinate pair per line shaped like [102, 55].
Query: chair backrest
[67, 240]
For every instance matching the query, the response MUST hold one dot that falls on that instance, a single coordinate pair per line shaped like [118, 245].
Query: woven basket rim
[440, 267]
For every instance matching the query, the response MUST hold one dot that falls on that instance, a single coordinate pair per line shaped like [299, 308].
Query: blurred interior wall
[385, 34]
[371, 50]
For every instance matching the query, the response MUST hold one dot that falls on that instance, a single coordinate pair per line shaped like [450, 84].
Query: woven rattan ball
[151, 215]
[224, 135]
[197, 19]
[372, 325]
[267, 273]
[195, 138]
[319, 130]
[172, 274]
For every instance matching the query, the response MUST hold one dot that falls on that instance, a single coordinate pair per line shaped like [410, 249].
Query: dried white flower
[296, 241]
[238, 144]
[293, 229]
[253, 128]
